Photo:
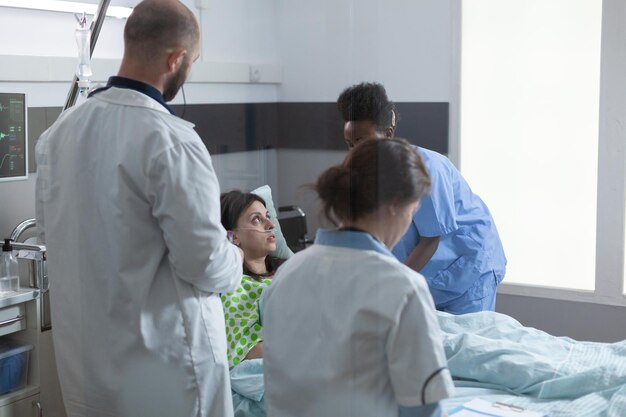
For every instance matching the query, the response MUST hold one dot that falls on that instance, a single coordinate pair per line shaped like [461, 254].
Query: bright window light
[66, 6]
[530, 93]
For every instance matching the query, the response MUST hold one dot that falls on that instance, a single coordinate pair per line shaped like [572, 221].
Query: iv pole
[96, 25]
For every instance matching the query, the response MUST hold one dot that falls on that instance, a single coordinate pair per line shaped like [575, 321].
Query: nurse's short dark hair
[368, 101]
[157, 25]
[376, 173]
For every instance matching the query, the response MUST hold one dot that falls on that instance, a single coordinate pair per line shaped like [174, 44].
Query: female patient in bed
[247, 220]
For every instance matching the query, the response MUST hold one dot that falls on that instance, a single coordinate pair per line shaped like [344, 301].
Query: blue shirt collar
[147, 89]
[350, 239]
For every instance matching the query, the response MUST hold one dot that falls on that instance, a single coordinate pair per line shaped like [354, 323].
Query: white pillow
[282, 250]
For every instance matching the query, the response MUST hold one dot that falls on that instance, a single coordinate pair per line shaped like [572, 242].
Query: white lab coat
[349, 331]
[128, 205]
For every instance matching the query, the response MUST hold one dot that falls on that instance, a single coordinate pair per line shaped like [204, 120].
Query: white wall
[297, 169]
[327, 45]
[234, 31]
[323, 47]
[239, 31]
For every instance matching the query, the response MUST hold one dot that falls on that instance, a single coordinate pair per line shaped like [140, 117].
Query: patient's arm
[256, 351]
[422, 253]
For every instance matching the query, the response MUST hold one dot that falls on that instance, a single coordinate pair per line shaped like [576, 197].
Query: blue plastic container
[13, 365]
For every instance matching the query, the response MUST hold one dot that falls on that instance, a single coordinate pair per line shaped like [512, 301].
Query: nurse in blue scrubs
[453, 241]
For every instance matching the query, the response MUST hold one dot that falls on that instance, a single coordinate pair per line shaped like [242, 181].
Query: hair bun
[375, 173]
[333, 188]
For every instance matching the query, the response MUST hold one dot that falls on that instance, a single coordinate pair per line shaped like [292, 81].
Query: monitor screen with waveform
[13, 137]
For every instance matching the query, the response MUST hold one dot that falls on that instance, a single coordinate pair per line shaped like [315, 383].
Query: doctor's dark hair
[368, 101]
[233, 204]
[155, 26]
[377, 172]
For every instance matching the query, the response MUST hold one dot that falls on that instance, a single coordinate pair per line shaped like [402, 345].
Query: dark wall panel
[424, 124]
[319, 126]
[310, 126]
[238, 127]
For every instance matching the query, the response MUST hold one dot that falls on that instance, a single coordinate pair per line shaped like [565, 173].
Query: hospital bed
[493, 357]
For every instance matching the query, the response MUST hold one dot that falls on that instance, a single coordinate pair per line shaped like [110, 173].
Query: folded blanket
[246, 381]
[491, 350]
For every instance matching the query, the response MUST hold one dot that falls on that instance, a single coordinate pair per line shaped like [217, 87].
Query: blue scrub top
[469, 248]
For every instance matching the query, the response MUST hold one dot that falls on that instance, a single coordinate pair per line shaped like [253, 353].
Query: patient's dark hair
[368, 101]
[375, 173]
[233, 204]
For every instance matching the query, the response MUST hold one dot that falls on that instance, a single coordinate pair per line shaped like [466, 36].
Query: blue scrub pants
[480, 297]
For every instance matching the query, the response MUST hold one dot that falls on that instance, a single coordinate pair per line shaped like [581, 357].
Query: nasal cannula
[231, 235]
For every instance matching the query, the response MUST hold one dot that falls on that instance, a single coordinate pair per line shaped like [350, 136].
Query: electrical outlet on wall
[255, 74]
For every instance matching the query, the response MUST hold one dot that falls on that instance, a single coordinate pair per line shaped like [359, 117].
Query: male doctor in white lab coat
[128, 206]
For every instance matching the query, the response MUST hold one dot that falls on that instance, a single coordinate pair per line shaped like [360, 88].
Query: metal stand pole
[96, 25]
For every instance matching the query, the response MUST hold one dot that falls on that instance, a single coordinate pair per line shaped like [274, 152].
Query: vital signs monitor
[13, 137]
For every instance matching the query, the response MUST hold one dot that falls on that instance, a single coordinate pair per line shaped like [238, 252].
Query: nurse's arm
[422, 253]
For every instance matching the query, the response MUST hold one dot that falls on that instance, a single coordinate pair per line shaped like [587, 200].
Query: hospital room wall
[241, 33]
[584, 320]
[328, 45]
[322, 49]
[344, 44]
[580, 321]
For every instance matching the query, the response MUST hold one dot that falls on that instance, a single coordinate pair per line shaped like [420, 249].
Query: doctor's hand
[231, 238]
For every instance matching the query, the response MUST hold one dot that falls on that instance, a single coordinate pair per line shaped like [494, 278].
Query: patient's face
[255, 231]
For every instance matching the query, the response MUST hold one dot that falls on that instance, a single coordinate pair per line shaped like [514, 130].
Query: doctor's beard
[173, 84]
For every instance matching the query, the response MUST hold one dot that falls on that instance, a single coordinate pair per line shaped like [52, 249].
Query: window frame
[611, 190]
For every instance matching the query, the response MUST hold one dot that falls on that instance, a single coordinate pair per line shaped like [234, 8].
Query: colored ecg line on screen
[8, 136]
[8, 155]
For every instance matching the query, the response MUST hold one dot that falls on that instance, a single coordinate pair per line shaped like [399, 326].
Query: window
[529, 122]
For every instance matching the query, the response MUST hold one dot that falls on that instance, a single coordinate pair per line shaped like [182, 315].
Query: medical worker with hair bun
[349, 330]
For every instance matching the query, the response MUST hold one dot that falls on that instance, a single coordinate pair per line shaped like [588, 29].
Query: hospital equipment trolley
[20, 333]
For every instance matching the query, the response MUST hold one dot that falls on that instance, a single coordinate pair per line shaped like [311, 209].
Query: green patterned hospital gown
[241, 312]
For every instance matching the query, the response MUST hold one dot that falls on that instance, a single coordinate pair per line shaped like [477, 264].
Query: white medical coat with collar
[350, 332]
[128, 206]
